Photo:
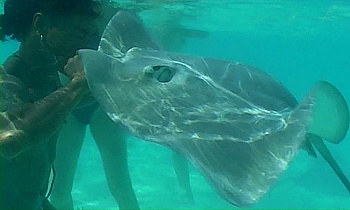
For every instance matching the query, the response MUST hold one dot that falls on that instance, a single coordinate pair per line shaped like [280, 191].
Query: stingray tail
[321, 147]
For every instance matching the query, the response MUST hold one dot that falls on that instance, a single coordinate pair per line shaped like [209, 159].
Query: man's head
[62, 25]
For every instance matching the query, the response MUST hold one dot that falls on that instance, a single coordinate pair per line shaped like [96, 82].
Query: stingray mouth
[161, 73]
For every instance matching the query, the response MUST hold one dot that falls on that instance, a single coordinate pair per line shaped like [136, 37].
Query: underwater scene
[296, 42]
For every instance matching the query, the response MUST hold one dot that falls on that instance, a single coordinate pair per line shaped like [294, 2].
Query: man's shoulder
[6, 78]
[13, 90]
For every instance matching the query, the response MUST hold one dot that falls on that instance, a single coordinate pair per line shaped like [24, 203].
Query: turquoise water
[298, 42]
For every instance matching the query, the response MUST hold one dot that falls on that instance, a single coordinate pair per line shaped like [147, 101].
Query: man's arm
[24, 126]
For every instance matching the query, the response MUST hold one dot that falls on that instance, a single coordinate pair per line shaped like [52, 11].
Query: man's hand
[74, 68]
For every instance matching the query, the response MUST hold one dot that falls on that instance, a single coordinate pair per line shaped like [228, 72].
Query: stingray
[236, 124]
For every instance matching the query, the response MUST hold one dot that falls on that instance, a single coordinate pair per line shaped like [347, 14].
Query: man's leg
[111, 141]
[68, 150]
[182, 174]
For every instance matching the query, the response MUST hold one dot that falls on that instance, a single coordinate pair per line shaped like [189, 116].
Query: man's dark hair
[18, 15]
